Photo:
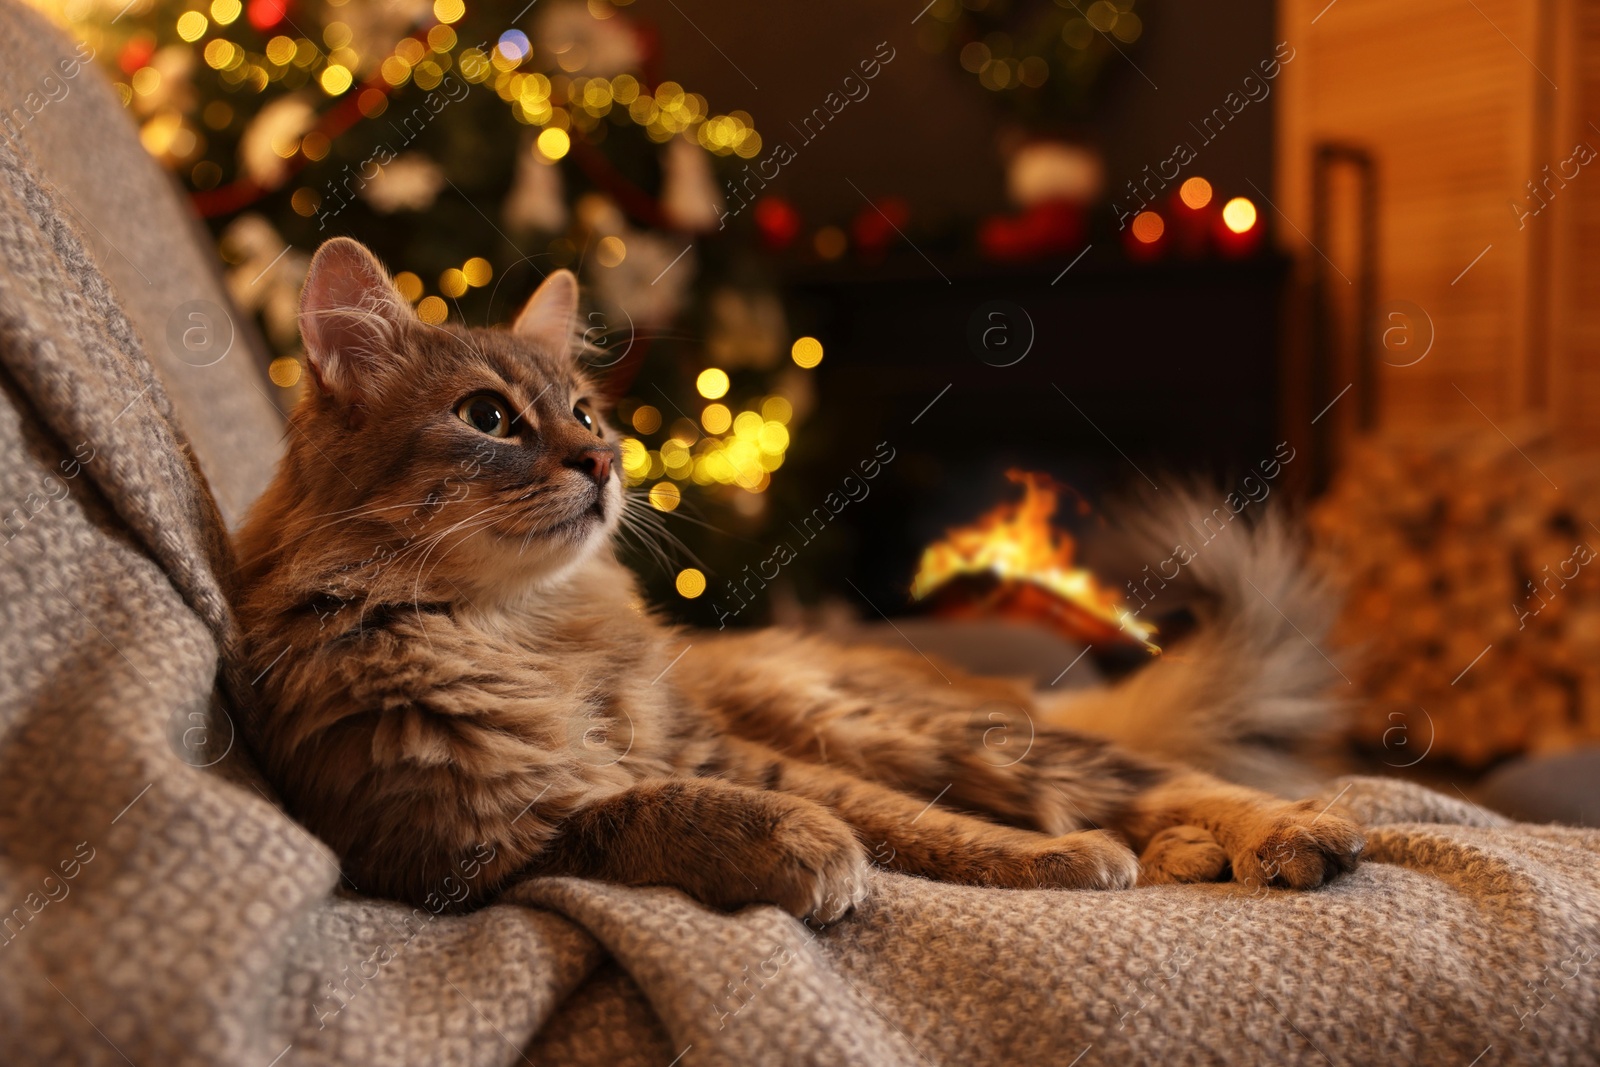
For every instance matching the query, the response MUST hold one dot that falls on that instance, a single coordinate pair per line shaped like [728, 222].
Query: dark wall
[927, 130]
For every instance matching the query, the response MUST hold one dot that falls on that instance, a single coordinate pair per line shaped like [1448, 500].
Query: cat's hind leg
[908, 833]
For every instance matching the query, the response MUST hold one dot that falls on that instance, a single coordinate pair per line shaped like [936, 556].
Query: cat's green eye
[590, 423]
[486, 413]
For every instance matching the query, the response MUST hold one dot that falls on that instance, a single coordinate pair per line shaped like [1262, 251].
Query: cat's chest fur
[602, 665]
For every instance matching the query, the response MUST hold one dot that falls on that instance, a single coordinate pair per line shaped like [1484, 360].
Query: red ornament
[778, 222]
[136, 53]
[1046, 228]
[265, 14]
[875, 226]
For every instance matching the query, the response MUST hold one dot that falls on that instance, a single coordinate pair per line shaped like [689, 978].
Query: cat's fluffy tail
[1248, 692]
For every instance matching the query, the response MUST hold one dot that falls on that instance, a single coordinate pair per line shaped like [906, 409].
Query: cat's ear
[551, 313]
[351, 318]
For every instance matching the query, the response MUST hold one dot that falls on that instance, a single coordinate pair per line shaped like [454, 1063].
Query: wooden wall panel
[1455, 100]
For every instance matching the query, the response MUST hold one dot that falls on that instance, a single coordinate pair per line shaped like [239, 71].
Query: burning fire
[1033, 564]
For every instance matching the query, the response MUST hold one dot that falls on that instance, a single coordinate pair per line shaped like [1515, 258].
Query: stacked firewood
[1471, 570]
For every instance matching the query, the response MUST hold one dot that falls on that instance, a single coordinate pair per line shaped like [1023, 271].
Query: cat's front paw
[1089, 859]
[1182, 854]
[815, 869]
[1295, 845]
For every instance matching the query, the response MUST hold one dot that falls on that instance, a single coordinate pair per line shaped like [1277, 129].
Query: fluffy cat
[451, 664]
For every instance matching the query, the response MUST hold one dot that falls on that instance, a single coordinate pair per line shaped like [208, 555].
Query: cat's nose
[596, 463]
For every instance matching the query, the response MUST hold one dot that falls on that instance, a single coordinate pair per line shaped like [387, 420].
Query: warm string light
[738, 450]
[1195, 222]
[562, 104]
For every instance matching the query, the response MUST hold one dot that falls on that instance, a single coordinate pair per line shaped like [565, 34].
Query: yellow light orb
[281, 50]
[395, 70]
[1148, 227]
[635, 458]
[716, 418]
[432, 310]
[441, 38]
[747, 424]
[1195, 193]
[691, 583]
[806, 352]
[554, 143]
[284, 372]
[646, 419]
[448, 11]
[611, 251]
[146, 80]
[409, 284]
[478, 272]
[225, 11]
[664, 496]
[712, 383]
[453, 283]
[773, 438]
[777, 409]
[410, 49]
[192, 25]
[335, 79]
[219, 54]
[336, 35]
[1239, 215]
[305, 202]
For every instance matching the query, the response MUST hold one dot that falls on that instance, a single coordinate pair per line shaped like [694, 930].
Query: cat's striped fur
[448, 656]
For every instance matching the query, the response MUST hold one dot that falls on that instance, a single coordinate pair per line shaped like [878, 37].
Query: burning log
[1014, 563]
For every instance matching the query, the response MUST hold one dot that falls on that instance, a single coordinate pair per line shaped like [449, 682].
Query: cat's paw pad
[1298, 846]
[820, 870]
[1089, 859]
[1182, 854]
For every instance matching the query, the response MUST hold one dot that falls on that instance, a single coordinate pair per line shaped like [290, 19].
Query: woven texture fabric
[157, 907]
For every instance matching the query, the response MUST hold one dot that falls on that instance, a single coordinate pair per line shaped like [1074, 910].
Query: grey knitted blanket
[157, 907]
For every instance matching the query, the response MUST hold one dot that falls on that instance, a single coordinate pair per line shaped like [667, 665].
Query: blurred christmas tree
[475, 149]
[1041, 58]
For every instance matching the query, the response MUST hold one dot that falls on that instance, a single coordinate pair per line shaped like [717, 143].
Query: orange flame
[1017, 544]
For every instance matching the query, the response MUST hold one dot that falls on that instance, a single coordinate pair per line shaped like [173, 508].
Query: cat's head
[472, 458]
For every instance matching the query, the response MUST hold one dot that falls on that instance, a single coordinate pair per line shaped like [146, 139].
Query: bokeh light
[691, 583]
[453, 283]
[191, 25]
[284, 372]
[554, 143]
[611, 251]
[646, 419]
[1148, 227]
[409, 284]
[712, 383]
[433, 310]
[716, 418]
[777, 409]
[1239, 215]
[1195, 193]
[806, 352]
[664, 496]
